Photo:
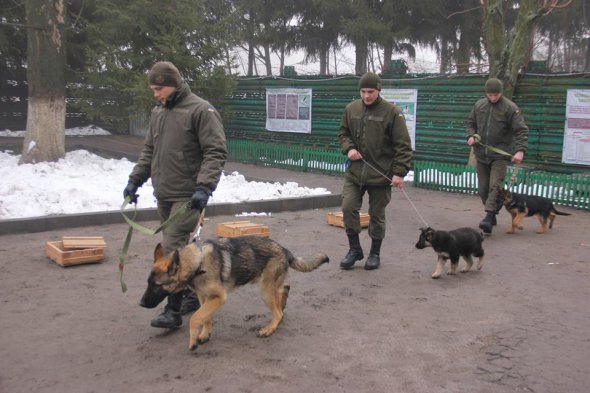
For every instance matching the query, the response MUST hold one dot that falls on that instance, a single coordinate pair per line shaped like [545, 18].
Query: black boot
[487, 223]
[355, 253]
[373, 261]
[189, 303]
[170, 318]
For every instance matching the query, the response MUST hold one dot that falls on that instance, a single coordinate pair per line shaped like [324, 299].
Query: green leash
[477, 138]
[145, 230]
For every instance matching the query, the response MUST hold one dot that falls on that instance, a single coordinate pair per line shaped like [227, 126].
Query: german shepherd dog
[465, 242]
[218, 266]
[521, 206]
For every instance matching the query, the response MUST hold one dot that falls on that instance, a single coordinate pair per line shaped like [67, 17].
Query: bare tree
[508, 49]
[46, 114]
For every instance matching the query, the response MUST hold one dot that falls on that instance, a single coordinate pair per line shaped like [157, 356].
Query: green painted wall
[444, 102]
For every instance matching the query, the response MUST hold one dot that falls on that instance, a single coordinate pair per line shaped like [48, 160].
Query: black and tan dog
[521, 206]
[465, 242]
[217, 267]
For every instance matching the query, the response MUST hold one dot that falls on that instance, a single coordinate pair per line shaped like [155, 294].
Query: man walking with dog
[184, 153]
[374, 136]
[495, 127]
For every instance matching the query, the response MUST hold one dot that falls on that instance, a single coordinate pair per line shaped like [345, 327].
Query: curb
[49, 223]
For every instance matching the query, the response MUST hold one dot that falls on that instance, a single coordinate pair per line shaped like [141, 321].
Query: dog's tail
[308, 264]
[560, 213]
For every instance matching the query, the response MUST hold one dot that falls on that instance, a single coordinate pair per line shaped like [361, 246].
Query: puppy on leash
[520, 206]
[465, 242]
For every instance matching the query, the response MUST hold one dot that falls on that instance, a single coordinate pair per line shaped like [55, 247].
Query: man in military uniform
[184, 153]
[374, 136]
[496, 122]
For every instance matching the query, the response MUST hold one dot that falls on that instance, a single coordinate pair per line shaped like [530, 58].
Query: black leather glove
[131, 191]
[200, 198]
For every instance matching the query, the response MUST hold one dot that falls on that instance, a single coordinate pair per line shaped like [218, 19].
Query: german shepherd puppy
[465, 242]
[521, 206]
[218, 266]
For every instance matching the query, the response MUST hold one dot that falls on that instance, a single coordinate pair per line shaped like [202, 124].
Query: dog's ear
[174, 263]
[158, 252]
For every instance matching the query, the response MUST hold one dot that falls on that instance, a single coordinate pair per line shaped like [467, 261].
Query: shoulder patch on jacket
[211, 108]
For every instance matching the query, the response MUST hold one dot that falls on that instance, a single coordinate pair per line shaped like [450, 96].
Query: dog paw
[266, 331]
[464, 270]
[435, 276]
[193, 347]
[450, 273]
[203, 340]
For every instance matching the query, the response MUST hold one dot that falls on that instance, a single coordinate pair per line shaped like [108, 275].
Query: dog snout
[153, 296]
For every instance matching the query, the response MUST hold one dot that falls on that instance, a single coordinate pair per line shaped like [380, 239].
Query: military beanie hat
[493, 86]
[164, 73]
[370, 81]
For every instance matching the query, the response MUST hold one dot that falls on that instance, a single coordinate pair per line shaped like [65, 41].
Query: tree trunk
[267, 60]
[251, 58]
[463, 53]
[387, 55]
[587, 61]
[494, 35]
[46, 76]
[361, 54]
[324, 53]
[444, 56]
[518, 47]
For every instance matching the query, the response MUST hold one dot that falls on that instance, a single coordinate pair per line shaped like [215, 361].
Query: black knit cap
[164, 73]
[493, 86]
[370, 81]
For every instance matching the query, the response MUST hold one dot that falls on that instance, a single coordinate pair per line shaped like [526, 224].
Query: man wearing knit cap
[183, 127]
[374, 137]
[495, 125]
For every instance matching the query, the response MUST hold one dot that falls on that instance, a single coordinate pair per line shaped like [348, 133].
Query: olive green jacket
[184, 147]
[500, 125]
[380, 134]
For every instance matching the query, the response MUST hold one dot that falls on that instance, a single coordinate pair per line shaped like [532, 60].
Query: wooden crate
[241, 228]
[69, 257]
[70, 242]
[336, 219]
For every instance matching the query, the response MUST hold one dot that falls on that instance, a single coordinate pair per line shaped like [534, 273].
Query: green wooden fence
[444, 103]
[565, 189]
[292, 157]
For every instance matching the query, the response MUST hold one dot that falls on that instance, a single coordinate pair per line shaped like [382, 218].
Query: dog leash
[145, 230]
[477, 139]
[200, 224]
[403, 191]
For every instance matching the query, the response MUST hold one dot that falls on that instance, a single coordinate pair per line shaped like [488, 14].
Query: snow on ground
[84, 182]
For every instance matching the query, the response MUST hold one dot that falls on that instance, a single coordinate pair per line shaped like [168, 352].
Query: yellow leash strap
[477, 138]
[145, 230]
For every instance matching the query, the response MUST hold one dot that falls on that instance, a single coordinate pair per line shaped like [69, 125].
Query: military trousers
[352, 200]
[176, 236]
[490, 178]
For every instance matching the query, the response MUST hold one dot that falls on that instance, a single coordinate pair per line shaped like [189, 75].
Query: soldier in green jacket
[374, 136]
[495, 122]
[184, 153]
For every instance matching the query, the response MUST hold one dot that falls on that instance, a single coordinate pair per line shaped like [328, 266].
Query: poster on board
[576, 138]
[407, 101]
[288, 110]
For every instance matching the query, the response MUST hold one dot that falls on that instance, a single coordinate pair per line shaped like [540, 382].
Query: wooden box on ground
[76, 250]
[241, 228]
[336, 219]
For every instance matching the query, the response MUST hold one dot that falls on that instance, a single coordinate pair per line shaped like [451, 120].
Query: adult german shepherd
[217, 267]
[521, 206]
[461, 242]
